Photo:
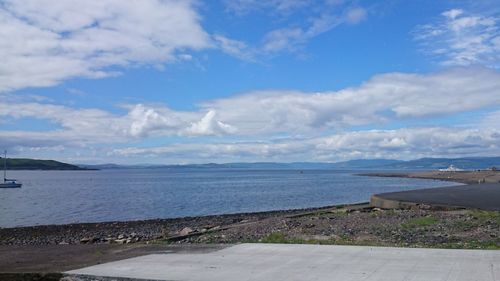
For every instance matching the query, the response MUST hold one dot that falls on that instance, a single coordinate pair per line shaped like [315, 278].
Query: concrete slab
[307, 262]
[485, 196]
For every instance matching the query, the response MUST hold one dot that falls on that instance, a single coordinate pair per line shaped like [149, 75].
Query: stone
[121, 236]
[85, 240]
[120, 241]
[186, 231]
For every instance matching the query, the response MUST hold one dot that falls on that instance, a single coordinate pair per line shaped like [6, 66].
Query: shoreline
[269, 212]
[35, 250]
[142, 230]
[57, 248]
[464, 177]
[174, 229]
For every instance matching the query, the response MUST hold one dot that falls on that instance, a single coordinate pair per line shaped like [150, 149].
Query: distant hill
[365, 163]
[35, 164]
[467, 163]
[105, 166]
[358, 164]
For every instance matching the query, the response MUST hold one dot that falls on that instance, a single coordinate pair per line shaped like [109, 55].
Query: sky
[187, 81]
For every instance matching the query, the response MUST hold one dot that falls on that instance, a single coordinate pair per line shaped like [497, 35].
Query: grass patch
[486, 245]
[477, 219]
[420, 222]
[280, 238]
[483, 216]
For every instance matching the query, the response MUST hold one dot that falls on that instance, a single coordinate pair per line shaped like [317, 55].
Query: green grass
[479, 218]
[483, 245]
[420, 222]
[280, 238]
[35, 164]
[483, 216]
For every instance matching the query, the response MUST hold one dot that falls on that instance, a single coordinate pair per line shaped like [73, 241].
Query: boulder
[85, 240]
[186, 231]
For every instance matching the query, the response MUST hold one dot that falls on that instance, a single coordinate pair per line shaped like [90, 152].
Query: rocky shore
[127, 232]
[356, 224]
[56, 248]
[336, 224]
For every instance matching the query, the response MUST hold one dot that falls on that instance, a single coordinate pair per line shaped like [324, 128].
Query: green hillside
[35, 164]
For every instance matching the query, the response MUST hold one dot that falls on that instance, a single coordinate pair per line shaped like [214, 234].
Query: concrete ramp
[304, 262]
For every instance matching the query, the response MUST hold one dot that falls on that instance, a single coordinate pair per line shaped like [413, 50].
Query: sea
[62, 197]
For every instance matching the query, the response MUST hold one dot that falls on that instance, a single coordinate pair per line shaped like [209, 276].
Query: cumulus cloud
[50, 41]
[461, 38]
[209, 126]
[150, 120]
[384, 99]
[397, 144]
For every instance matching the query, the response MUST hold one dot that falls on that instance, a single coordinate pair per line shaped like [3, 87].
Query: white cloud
[234, 48]
[453, 13]
[291, 38]
[209, 126]
[49, 41]
[282, 6]
[491, 120]
[384, 99]
[355, 15]
[397, 144]
[316, 17]
[460, 38]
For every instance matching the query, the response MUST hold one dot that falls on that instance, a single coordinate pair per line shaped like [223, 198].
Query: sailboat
[8, 183]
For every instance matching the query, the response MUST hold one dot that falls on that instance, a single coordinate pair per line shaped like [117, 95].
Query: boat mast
[5, 166]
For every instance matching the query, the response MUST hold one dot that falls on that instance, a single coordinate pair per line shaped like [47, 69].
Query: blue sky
[246, 80]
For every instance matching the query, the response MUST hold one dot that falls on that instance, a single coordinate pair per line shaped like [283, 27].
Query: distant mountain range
[368, 164]
[468, 163]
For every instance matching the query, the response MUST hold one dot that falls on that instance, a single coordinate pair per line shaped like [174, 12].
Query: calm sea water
[59, 197]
